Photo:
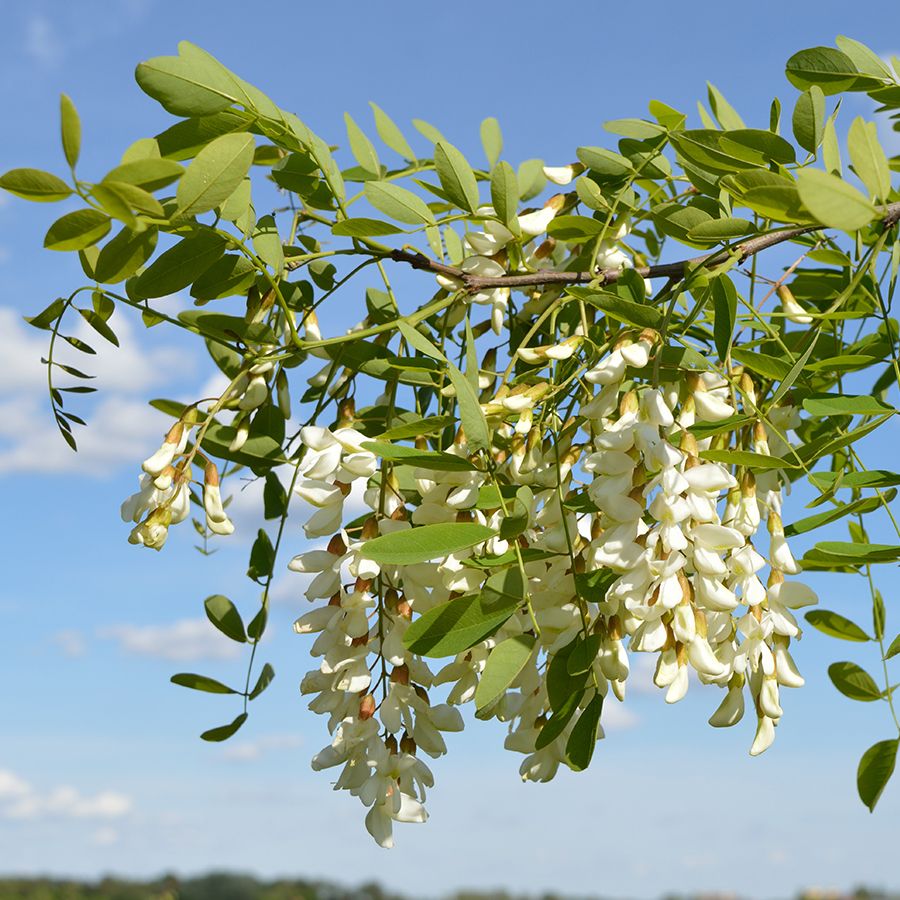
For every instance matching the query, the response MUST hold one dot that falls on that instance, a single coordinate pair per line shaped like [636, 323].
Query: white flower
[562, 175]
[535, 223]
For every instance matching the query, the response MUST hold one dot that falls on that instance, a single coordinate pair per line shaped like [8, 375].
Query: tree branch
[674, 270]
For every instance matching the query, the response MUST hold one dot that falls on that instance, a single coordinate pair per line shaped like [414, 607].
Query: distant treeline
[225, 886]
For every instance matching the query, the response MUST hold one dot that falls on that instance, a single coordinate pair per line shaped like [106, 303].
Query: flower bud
[563, 175]
[400, 674]
[173, 444]
[793, 311]
[255, 394]
[283, 393]
[765, 734]
[367, 707]
[241, 427]
[731, 710]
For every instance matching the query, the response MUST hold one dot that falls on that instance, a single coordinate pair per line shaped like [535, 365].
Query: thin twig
[674, 270]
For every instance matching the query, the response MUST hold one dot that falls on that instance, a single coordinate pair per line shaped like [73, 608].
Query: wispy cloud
[71, 642]
[188, 639]
[42, 42]
[122, 427]
[21, 800]
[248, 751]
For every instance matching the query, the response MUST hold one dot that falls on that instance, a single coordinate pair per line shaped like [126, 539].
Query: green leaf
[874, 478]
[77, 230]
[262, 557]
[854, 682]
[879, 614]
[416, 545]
[832, 201]
[808, 121]
[190, 84]
[875, 770]
[398, 203]
[456, 625]
[124, 254]
[723, 111]
[180, 265]
[149, 174]
[505, 194]
[865, 60]
[420, 427]
[831, 150]
[724, 312]
[868, 158]
[557, 723]
[457, 177]
[266, 677]
[223, 732]
[224, 615]
[267, 243]
[583, 739]
[416, 339]
[617, 308]
[35, 184]
[230, 275]
[98, 323]
[605, 163]
[562, 685]
[390, 133]
[724, 229]
[835, 625]
[576, 228]
[747, 459]
[840, 405]
[894, 649]
[502, 668]
[364, 228]
[226, 328]
[826, 67]
[70, 127]
[428, 131]
[201, 683]
[362, 148]
[275, 499]
[48, 315]
[858, 554]
[491, 140]
[584, 653]
[863, 505]
[423, 459]
[257, 626]
[531, 178]
[215, 174]
[767, 193]
[471, 416]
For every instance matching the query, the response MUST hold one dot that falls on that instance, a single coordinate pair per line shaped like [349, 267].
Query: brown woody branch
[674, 270]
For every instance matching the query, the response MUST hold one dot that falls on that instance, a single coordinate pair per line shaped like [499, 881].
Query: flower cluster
[631, 540]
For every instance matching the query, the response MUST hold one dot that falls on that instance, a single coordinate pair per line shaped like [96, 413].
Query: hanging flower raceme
[629, 541]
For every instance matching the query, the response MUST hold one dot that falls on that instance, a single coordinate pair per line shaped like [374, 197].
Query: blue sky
[100, 766]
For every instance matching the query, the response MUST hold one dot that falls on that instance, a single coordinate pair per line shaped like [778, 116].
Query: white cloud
[121, 427]
[20, 800]
[71, 642]
[42, 42]
[187, 639]
[248, 751]
[616, 717]
[105, 837]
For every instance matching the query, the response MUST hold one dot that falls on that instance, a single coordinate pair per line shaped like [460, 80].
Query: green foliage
[482, 387]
